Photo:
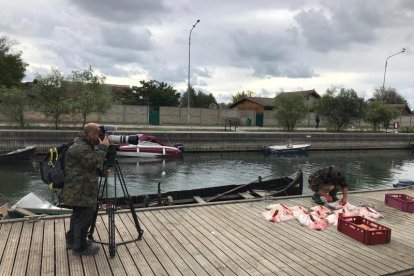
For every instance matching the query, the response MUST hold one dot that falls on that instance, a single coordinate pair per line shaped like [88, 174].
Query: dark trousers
[80, 221]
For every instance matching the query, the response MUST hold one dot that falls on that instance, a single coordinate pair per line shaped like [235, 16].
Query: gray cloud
[269, 54]
[124, 38]
[337, 25]
[123, 11]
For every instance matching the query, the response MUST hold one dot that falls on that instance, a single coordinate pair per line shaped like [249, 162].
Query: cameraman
[82, 166]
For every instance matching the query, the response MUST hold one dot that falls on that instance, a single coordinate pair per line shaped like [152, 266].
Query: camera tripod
[111, 207]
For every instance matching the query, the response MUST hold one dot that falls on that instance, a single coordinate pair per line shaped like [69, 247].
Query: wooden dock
[212, 239]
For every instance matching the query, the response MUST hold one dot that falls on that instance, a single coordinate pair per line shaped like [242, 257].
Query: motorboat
[401, 183]
[287, 149]
[33, 204]
[18, 155]
[149, 146]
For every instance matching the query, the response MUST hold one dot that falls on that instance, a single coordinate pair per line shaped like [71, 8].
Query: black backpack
[52, 167]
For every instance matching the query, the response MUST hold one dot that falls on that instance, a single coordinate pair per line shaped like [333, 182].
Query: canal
[364, 169]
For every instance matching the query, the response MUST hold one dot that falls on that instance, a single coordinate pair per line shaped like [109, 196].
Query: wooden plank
[10, 250]
[137, 256]
[62, 266]
[20, 264]
[48, 252]
[103, 235]
[4, 234]
[246, 195]
[145, 248]
[314, 251]
[24, 212]
[239, 236]
[367, 258]
[273, 242]
[122, 251]
[36, 248]
[365, 253]
[172, 262]
[199, 199]
[260, 193]
[214, 236]
[180, 250]
[360, 249]
[200, 252]
[205, 242]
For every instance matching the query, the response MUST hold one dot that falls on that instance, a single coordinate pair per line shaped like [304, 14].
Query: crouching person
[82, 164]
[326, 182]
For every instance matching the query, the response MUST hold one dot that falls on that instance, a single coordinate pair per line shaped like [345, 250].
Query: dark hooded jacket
[82, 166]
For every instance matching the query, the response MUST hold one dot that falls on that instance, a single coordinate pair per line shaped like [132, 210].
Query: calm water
[364, 170]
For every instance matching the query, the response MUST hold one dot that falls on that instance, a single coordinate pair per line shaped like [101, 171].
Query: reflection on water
[364, 170]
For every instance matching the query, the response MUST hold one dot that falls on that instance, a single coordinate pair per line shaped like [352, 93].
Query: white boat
[35, 204]
[149, 146]
[400, 183]
[287, 149]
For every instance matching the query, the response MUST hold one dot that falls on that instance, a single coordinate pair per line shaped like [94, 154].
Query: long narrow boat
[281, 186]
[33, 204]
[18, 155]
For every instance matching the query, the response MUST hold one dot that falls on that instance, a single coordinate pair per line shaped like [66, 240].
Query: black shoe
[89, 250]
[317, 199]
[69, 245]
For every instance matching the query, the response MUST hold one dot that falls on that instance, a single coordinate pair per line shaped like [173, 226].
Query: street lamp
[188, 85]
[386, 63]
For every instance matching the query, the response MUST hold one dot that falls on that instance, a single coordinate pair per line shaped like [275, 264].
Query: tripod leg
[130, 204]
[101, 188]
[111, 225]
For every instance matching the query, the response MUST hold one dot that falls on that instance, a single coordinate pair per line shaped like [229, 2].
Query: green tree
[184, 98]
[13, 104]
[88, 93]
[241, 95]
[12, 67]
[380, 113]
[202, 100]
[198, 100]
[52, 96]
[153, 93]
[288, 109]
[388, 96]
[341, 108]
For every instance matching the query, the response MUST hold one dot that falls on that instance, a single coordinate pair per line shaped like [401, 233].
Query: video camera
[106, 130]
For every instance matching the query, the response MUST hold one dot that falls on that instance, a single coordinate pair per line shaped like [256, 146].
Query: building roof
[403, 108]
[268, 102]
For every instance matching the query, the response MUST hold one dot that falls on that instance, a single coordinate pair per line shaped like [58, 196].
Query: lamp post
[188, 84]
[386, 63]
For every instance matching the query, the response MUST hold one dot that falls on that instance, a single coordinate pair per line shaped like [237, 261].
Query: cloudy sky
[265, 46]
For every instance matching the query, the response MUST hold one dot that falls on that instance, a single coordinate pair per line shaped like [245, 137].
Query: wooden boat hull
[288, 185]
[19, 155]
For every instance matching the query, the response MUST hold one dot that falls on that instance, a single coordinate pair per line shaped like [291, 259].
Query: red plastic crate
[364, 230]
[401, 202]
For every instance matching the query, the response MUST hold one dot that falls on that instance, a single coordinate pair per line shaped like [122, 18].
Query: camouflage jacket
[82, 165]
[321, 180]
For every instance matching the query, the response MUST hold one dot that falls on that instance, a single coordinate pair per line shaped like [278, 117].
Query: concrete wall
[139, 115]
[223, 141]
